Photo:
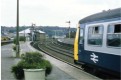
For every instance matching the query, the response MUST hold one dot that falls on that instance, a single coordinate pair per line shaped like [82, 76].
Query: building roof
[29, 31]
[40, 31]
[114, 13]
[25, 31]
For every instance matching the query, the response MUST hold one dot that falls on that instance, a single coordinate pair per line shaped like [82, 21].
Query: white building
[28, 34]
[25, 33]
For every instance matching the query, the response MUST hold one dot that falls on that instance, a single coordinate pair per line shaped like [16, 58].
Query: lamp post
[17, 31]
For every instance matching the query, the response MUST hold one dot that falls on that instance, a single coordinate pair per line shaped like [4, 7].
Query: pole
[32, 32]
[24, 34]
[69, 29]
[55, 34]
[17, 31]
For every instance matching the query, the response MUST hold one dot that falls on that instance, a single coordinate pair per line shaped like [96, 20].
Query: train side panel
[101, 56]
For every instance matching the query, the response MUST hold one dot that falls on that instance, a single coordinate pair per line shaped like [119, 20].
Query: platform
[60, 71]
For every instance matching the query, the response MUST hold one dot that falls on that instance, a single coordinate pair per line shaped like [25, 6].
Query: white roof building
[41, 31]
[27, 31]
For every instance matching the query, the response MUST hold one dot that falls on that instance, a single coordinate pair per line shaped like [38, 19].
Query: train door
[81, 45]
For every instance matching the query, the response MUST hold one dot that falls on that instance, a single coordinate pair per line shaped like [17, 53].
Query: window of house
[114, 35]
[95, 35]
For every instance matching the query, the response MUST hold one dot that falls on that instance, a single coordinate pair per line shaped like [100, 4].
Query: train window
[114, 35]
[95, 35]
[81, 36]
[117, 28]
[96, 30]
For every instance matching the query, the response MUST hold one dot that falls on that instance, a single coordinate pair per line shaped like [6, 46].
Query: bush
[14, 47]
[32, 57]
[14, 40]
[48, 67]
[21, 38]
[18, 71]
[31, 60]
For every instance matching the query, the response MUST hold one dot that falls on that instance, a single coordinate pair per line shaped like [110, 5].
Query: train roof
[114, 13]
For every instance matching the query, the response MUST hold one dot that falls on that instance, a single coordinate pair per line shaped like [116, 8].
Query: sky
[52, 12]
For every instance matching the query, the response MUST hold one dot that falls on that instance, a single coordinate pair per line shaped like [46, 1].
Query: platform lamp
[17, 32]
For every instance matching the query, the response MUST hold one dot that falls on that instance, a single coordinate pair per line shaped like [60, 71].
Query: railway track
[63, 46]
[55, 47]
[61, 54]
[65, 55]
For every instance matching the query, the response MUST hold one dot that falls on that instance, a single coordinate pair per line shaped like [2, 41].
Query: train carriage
[98, 41]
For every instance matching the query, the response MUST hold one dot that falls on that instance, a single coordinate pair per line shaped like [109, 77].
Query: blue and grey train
[98, 41]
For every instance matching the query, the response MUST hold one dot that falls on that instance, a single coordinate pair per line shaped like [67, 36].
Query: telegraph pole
[17, 31]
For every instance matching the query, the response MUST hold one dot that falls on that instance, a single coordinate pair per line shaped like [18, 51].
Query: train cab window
[95, 35]
[81, 36]
[114, 35]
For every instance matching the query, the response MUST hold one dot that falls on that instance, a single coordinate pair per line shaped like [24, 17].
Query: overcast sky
[52, 12]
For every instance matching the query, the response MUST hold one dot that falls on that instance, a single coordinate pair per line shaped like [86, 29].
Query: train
[97, 42]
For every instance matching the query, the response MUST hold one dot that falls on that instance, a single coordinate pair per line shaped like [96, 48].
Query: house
[40, 35]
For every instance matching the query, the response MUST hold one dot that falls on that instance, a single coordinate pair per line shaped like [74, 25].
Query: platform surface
[60, 71]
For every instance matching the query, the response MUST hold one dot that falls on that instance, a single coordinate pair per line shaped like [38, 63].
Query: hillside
[49, 30]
